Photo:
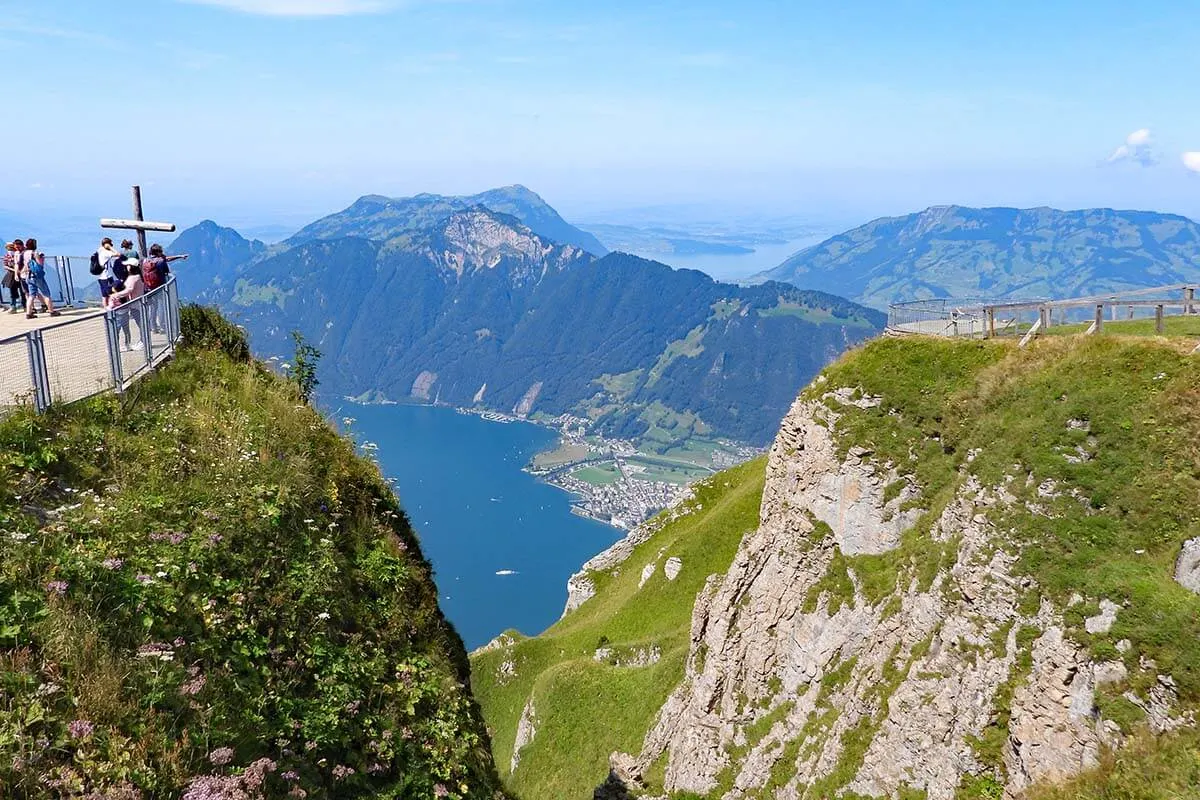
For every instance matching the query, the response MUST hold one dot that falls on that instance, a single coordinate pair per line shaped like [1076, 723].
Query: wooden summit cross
[138, 223]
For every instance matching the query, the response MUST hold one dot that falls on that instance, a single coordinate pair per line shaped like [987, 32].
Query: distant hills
[666, 242]
[211, 250]
[384, 218]
[446, 299]
[998, 253]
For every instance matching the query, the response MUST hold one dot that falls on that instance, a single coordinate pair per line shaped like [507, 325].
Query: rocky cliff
[974, 575]
[885, 632]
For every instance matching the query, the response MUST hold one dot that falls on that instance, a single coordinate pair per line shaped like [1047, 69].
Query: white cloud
[301, 8]
[1138, 149]
[1192, 161]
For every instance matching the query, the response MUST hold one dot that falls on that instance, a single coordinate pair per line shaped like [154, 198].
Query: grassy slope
[587, 710]
[206, 564]
[1135, 499]
[1121, 511]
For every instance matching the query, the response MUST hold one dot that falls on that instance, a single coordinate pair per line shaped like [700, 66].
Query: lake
[459, 478]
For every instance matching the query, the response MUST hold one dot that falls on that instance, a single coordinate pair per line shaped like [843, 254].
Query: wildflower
[323, 615]
[215, 539]
[177, 537]
[57, 587]
[179, 641]
[376, 769]
[18, 536]
[298, 793]
[80, 729]
[290, 775]
[193, 687]
[341, 771]
[158, 650]
[112, 563]
[144, 579]
[440, 791]
[221, 756]
[160, 574]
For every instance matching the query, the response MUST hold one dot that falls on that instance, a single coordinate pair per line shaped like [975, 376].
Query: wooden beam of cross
[138, 223]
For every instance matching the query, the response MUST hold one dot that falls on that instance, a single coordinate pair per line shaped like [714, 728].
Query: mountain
[213, 251]
[206, 593]
[963, 571]
[994, 253]
[381, 218]
[480, 310]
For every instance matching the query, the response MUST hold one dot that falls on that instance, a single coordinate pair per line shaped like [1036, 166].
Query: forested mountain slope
[993, 253]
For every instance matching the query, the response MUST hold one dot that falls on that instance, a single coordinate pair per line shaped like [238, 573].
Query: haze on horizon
[282, 110]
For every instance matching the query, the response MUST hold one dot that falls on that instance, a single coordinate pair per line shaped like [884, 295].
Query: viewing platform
[84, 350]
[1171, 309]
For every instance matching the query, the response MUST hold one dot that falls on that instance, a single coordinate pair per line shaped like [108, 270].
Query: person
[123, 307]
[108, 280]
[12, 279]
[35, 280]
[155, 271]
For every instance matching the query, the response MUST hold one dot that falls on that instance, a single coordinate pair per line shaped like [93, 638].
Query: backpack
[119, 270]
[151, 273]
[95, 267]
[37, 264]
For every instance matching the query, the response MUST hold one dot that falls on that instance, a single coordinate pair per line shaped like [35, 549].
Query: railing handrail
[155, 312]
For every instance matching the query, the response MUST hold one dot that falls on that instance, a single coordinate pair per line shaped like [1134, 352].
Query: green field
[598, 474]
[560, 456]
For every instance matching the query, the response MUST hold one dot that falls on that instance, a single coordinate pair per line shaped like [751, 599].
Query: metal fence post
[114, 351]
[146, 310]
[37, 370]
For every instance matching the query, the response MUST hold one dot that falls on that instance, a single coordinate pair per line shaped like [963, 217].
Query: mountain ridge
[999, 253]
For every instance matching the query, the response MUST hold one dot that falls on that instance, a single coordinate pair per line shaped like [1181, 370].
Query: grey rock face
[526, 730]
[920, 670]
[1187, 567]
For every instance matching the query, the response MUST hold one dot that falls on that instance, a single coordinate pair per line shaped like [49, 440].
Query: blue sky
[283, 109]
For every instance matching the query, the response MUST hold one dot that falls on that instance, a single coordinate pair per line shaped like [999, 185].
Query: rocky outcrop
[813, 686]
[1187, 567]
[526, 730]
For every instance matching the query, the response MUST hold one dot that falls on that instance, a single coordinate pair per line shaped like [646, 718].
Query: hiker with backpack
[34, 271]
[103, 264]
[155, 271]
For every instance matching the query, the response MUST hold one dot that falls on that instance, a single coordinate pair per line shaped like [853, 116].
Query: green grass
[598, 475]
[1172, 326]
[206, 564]
[588, 710]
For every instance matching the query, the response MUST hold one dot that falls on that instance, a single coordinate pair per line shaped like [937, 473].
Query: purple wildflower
[290, 775]
[57, 587]
[144, 579]
[342, 771]
[179, 641]
[176, 538]
[215, 539]
[221, 756]
[193, 687]
[80, 729]
[440, 791]
[113, 563]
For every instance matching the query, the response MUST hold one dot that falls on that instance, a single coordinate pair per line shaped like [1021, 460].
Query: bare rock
[672, 567]
[526, 730]
[1102, 622]
[647, 573]
[1187, 566]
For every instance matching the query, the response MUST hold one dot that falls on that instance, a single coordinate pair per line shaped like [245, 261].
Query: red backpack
[152, 272]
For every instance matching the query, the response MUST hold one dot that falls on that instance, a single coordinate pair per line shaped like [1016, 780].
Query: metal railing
[1026, 318]
[105, 351]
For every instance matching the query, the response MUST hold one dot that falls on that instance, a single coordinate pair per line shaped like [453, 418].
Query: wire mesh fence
[68, 361]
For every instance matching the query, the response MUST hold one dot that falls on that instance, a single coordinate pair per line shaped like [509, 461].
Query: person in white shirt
[107, 279]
